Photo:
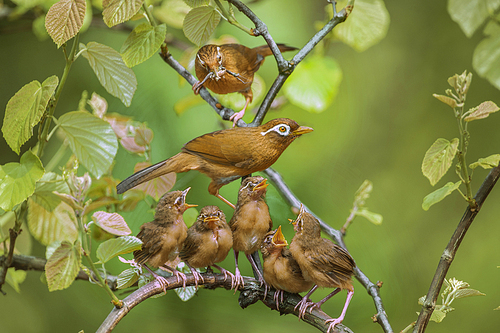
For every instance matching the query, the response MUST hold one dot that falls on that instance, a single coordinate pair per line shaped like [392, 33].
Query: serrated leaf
[64, 19]
[438, 316]
[25, 109]
[185, 294]
[118, 11]
[470, 14]
[52, 182]
[366, 25]
[98, 104]
[446, 100]
[91, 139]
[158, 186]
[51, 248]
[200, 23]
[438, 159]
[116, 246]
[370, 216]
[486, 59]
[196, 3]
[467, 293]
[483, 110]
[487, 162]
[63, 266]
[18, 180]
[112, 223]
[172, 12]
[127, 278]
[111, 71]
[48, 226]
[142, 43]
[439, 194]
[314, 83]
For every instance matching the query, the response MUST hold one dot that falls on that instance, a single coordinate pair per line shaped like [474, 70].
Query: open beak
[211, 220]
[261, 186]
[186, 205]
[302, 130]
[278, 238]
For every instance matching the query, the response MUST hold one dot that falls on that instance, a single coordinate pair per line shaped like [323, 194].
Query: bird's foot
[237, 116]
[239, 282]
[197, 277]
[180, 276]
[333, 322]
[302, 306]
[163, 282]
[226, 273]
[312, 306]
[277, 297]
[196, 87]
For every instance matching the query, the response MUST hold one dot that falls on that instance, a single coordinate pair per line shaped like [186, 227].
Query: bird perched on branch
[250, 222]
[208, 242]
[226, 155]
[281, 270]
[322, 262]
[162, 238]
[230, 68]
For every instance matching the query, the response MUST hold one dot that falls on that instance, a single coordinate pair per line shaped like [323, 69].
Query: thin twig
[452, 248]
[373, 289]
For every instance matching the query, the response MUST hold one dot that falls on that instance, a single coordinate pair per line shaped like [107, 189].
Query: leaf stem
[462, 160]
[229, 16]
[149, 16]
[54, 161]
[42, 139]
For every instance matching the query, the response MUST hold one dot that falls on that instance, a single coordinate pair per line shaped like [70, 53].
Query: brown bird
[250, 222]
[208, 242]
[162, 238]
[280, 269]
[230, 68]
[322, 262]
[226, 155]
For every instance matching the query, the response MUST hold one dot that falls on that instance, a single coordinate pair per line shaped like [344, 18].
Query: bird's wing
[294, 266]
[191, 244]
[151, 244]
[331, 259]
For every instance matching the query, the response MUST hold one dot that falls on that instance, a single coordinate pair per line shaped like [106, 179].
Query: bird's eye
[281, 129]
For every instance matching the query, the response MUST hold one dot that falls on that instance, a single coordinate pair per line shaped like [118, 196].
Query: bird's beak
[211, 220]
[302, 130]
[278, 238]
[261, 186]
[184, 193]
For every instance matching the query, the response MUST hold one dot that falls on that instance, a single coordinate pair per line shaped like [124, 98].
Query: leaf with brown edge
[64, 19]
[63, 266]
[158, 186]
[482, 111]
[112, 223]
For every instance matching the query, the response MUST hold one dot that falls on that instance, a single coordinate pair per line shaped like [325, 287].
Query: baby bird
[250, 222]
[162, 238]
[208, 242]
[322, 262]
[281, 271]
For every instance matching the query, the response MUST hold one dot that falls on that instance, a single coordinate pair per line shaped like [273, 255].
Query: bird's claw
[276, 296]
[197, 278]
[163, 283]
[180, 276]
[237, 116]
[333, 323]
[303, 305]
[239, 282]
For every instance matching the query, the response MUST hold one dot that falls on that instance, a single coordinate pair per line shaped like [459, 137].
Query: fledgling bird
[250, 222]
[230, 68]
[226, 155]
[162, 238]
[322, 262]
[208, 242]
[281, 270]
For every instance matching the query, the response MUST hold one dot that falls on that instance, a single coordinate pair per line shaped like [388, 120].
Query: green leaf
[190, 216]
[15, 277]
[18, 180]
[185, 294]
[63, 266]
[38, 28]
[467, 293]
[363, 193]
[172, 12]
[446, 100]
[142, 43]
[439, 194]
[118, 11]
[470, 14]
[486, 59]
[197, 3]
[116, 246]
[127, 278]
[200, 23]
[438, 159]
[25, 109]
[437, 316]
[314, 83]
[482, 111]
[487, 162]
[112, 223]
[49, 225]
[370, 216]
[64, 19]
[111, 71]
[366, 25]
[91, 139]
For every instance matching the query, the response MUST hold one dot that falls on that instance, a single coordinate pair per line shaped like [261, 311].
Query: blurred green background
[379, 127]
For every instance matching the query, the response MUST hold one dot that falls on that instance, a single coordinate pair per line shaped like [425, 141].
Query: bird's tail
[154, 171]
[265, 51]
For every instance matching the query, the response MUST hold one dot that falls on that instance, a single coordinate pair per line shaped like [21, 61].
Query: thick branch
[452, 248]
[373, 290]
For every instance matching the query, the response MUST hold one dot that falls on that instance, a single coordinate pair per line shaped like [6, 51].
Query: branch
[250, 294]
[371, 288]
[452, 248]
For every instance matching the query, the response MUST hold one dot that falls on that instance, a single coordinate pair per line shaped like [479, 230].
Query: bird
[230, 68]
[250, 222]
[208, 242]
[162, 238]
[281, 271]
[226, 155]
[322, 262]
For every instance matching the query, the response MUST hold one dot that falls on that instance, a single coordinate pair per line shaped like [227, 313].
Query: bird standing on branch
[162, 238]
[230, 68]
[322, 262]
[226, 155]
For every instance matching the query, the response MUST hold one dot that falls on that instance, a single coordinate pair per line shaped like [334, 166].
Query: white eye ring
[281, 129]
